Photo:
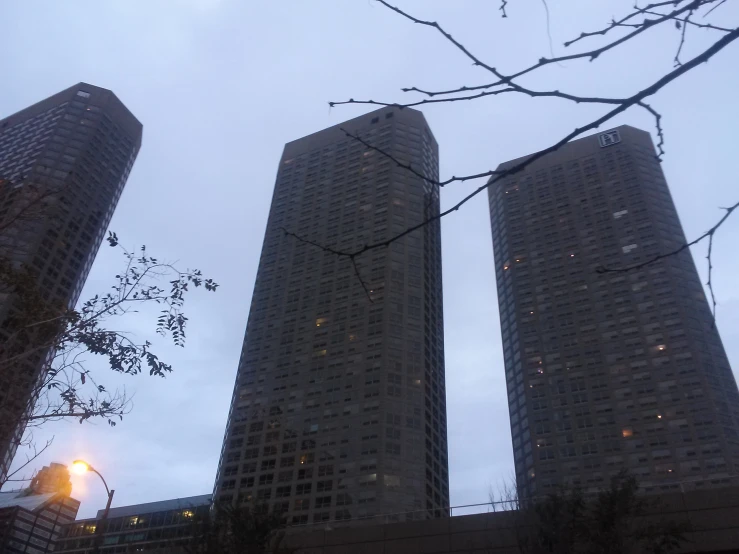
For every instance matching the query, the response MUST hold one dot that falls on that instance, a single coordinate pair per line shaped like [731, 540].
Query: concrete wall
[713, 517]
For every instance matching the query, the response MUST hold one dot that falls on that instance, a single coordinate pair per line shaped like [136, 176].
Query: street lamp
[80, 467]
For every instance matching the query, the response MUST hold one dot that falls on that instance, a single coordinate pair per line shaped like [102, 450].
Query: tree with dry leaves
[613, 520]
[47, 345]
[244, 528]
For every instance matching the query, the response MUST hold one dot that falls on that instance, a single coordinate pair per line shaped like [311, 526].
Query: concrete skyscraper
[63, 164]
[607, 370]
[339, 407]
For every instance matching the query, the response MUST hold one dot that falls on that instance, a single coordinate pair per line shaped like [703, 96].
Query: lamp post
[80, 467]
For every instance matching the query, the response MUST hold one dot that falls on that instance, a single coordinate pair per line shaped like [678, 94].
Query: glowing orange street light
[80, 467]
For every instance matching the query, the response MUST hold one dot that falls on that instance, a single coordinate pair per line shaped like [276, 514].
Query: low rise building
[31, 523]
[146, 527]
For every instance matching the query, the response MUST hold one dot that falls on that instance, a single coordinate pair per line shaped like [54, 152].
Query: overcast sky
[222, 85]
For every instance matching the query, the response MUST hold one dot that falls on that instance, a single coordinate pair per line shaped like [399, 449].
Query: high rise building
[63, 164]
[607, 370]
[52, 478]
[338, 410]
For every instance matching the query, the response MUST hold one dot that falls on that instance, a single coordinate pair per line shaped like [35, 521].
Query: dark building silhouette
[63, 165]
[339, 408]
[607, 370]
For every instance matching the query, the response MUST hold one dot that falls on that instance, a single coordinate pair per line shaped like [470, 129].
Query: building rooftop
[575, 148]
[30, 502]
[160, 506]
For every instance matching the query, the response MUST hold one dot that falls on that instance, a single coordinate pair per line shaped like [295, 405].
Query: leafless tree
[685, 16]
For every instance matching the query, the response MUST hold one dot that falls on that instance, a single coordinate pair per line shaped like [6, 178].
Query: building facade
[63, 165]
[607, 370]
[31, 523]
[339, 408]
[161, 527]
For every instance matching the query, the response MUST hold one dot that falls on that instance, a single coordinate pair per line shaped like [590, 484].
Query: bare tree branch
[622, 22]
[682, 36]
[351, 257]
[30, 458]
[638, 21]
[396, 161]
[721, 3]
[686, 21]
[507, 79]
[708, 234]
[621, 105]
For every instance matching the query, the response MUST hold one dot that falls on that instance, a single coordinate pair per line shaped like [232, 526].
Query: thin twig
[660, 132]
[507, 79]
[696, 24]
[621, 22]
[339, 253]
[512, 87]
[364, 285]
[603, 269]
[709, 283]
[396, 161]
[709, 234]
[549, 28]
[714, 8]
[682, 38]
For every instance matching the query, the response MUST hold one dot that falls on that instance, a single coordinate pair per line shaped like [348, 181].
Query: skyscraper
[607, 370]
[52, 478]
[338, 410]
[63, 164]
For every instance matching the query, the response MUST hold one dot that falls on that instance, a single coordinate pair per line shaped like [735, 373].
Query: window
[322, 486]
[247, 482]
[83, 94]
[266, 479]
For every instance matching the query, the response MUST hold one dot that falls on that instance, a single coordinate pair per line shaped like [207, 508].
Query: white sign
[609, 138]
